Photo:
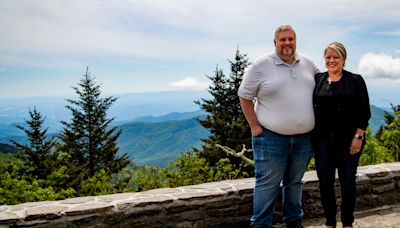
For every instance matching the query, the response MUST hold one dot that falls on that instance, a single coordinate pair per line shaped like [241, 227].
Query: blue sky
[163, 45]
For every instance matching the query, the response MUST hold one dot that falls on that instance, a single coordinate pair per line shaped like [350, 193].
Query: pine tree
[225, 119]
[39, 156]
[217, 116]
[88, 139]
[240, 132]
[389, 134]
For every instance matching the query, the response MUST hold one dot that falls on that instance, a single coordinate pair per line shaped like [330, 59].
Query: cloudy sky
[162, 45]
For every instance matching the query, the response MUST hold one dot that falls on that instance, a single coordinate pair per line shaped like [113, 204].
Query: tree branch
[240, 154]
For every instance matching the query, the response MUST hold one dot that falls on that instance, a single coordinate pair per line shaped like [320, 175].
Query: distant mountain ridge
[7, 148]
[158, 140]
[170, 116]
[377, 118]
[127, 107]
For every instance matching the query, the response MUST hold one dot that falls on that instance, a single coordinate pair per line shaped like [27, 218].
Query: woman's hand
[355, 146]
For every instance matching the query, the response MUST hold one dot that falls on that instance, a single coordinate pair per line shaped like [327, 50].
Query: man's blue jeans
[279, 159]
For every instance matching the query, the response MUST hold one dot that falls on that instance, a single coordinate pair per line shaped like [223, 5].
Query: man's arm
[251, 117]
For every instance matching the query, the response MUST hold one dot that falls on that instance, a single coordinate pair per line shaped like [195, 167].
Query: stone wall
[219, 204]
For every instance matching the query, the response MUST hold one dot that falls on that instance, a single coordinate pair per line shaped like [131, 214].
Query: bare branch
[240, 154]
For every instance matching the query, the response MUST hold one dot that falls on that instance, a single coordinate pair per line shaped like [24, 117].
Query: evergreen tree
[88, 140]
[225, 119]
[389, 135]
[389, 118]
[39, 156]
[240, 132]
[374, 152]
[216, 118]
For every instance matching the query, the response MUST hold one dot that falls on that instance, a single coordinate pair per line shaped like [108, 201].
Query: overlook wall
[218, 204]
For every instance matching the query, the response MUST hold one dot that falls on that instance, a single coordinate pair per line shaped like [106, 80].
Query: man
[282, 84]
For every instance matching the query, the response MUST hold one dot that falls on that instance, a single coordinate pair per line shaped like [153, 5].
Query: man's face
[285, 45]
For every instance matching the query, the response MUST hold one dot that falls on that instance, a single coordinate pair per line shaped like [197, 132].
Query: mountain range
[153, 139]
[127, 107]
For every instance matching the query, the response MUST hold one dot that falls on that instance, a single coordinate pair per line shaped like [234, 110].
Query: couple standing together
[293, 111]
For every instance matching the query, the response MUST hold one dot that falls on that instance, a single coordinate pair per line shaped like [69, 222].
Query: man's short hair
[284, 28]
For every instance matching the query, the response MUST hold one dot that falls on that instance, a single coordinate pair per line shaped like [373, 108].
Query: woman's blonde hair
[338, 48]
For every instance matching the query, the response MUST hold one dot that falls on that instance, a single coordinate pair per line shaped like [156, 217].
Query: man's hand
[256, 131]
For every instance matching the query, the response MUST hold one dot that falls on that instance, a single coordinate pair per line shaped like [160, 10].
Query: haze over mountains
[127, 107]
[156, 127]
[153, 143]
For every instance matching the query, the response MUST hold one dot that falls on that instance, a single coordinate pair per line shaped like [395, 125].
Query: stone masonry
[217, 204]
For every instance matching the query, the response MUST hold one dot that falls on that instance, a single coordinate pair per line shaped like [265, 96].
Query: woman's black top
[340, 107]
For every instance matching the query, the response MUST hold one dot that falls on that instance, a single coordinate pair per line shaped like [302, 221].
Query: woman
[342, 111]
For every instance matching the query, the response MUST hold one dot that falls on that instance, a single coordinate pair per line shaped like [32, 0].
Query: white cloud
[189, 83]
[379, 65]
[158, 29]
[156, 38]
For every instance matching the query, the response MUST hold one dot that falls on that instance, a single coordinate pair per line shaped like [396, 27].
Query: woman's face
[333, 61]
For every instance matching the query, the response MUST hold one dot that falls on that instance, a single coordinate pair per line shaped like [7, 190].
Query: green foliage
[374, 152]
[128, 179]
[224, 119]
[7, 158]
[216, 117]
[225, 170]
[88, 139]
[39, 156]
[145, 177]
[391, 138]
[188, 169]
[57, 177]
[16, 187]
[98, 184]
[311, 165]
[389, 134]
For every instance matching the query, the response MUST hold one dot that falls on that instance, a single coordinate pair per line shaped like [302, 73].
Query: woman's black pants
[329, 156]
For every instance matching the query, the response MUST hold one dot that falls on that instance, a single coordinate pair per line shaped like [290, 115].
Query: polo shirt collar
[279, 61]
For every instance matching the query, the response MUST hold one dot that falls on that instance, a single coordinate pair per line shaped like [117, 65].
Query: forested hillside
[377, 118]
[161, 142]
[6, 148]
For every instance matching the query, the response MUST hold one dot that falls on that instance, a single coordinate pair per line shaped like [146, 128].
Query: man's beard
[287, 52]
